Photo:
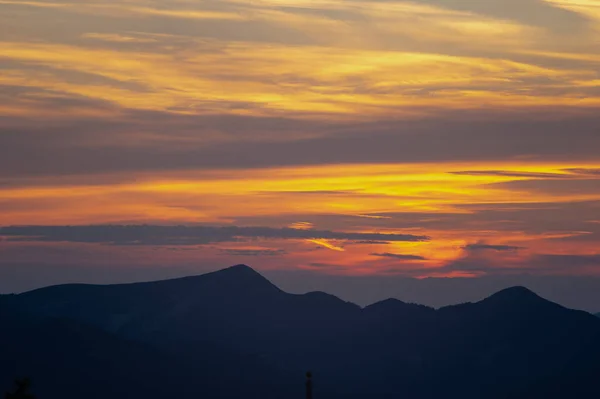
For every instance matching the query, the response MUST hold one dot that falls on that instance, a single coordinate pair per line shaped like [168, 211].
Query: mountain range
[232, 333]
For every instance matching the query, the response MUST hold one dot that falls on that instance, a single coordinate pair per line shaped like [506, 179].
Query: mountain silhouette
[232, 332]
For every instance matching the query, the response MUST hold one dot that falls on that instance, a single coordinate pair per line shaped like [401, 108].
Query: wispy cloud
[490, 247]
[327, 244]
[371, 242]
[584, 171]
[309, 60]
[184, 235]
[508, 173]
[253, 252]
[301, 225]
[398, 256]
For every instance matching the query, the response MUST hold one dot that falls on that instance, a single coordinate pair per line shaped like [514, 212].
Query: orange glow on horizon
[361, 192]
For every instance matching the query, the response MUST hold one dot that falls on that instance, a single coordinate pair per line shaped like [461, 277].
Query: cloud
[327, 244]
[330, 267]
[301, 225]
[486, 247]
[372, 216]
[566, 262]
[331, 57]
[535, 264]
[215, 142]
[182, 235]
[313, 192]
[539, 13]
[508, 173]
[398, 256]
[584, 171]
[253, 252]
[502, 219]
[115, 37]
[330, 108]
[555, 187]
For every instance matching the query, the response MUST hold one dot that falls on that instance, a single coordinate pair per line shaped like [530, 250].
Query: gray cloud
[569, 218]
[313, 192]
[584, 171]
[370, 242]
[181, 142]
[328, 266]
[253, 252]
[536, 264]
[398, 256]
[508, 173]
[555, 187]
[566, 262]
[484, 247]
[180, 235]
[45, 25]
[530, 12]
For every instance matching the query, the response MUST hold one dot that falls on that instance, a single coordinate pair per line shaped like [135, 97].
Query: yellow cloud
[372, 189]
[327, 244]
[124, 9]
[359, 60]
[267, 79]
[221, 197]
[589, 8]
[114, 37]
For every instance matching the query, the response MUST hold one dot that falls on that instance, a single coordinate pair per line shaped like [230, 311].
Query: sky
[382, 140]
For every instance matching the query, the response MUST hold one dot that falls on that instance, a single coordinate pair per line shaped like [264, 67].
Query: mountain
[235, 307]
[519, 337]
[232, 333]
[69, 359]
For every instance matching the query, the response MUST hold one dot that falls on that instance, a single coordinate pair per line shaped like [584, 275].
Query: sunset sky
[426, 138]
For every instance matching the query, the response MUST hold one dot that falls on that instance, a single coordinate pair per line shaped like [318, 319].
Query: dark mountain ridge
[236, 327]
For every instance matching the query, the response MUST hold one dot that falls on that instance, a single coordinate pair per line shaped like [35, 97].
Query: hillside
[232, 331]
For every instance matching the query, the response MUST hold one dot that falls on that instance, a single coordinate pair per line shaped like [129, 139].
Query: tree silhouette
[308, 385]
[21, 390]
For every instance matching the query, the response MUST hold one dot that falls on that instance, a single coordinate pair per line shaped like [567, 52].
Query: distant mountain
[597, 314]
[235, 307]
[233, 333]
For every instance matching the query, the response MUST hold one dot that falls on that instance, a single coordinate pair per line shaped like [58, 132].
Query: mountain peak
[243, 277]
[393, 305]
[517, 295]
[516, 291]
[241, 268]
[386, 303]
[238, 271]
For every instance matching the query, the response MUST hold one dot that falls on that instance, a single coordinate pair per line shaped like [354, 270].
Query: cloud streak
[491, 247]
[182, 235]
[253, 252]
[398, 256]
[507, 173]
